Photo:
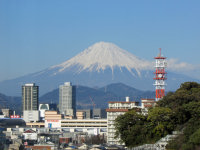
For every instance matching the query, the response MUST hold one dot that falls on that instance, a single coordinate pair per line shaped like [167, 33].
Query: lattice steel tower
[160, 76]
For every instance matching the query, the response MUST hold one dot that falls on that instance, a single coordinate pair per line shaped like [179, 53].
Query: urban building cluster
[48, 126]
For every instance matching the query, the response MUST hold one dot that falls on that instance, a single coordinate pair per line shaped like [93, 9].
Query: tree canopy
[177, 111]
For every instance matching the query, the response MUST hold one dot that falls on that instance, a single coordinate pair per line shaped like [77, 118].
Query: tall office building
[30, 97]
[67, 99]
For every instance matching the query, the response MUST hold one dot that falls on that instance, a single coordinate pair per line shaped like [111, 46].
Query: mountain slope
[99, 65]
[11, 102]
[104, 55]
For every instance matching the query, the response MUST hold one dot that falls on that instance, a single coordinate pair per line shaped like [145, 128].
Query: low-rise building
[80, 114]
[7, 112]
[52, 119]
[42, 147]
[31, 115]
[88, 113]
[35, 124]
[30, 135]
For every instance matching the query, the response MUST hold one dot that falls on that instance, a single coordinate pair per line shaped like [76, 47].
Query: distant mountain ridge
[101, 96]
[11, 102]
[101, 64]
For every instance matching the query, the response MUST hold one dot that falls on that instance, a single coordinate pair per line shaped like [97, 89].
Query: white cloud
[184, 68]
[175, 65]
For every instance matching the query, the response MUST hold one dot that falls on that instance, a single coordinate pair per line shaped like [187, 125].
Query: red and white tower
[160, 76]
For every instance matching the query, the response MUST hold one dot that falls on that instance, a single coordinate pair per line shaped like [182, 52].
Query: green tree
[187, 116]
[192, 109]
[195, 138]
[130, 128]
[179, 110]
[161, 119]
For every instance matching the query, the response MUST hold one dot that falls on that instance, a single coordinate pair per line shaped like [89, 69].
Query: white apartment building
[115, 109]
[147, 103]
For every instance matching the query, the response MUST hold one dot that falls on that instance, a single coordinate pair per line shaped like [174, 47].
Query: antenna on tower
[160, 52]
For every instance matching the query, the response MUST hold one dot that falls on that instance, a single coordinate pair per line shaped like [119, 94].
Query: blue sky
[36, 34]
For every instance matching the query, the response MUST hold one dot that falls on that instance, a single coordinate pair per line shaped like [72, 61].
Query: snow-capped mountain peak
[99, 65]
[104, 55]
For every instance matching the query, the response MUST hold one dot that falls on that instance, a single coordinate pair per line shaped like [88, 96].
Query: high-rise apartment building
[67, 99]
[116, 109]
[30, 94]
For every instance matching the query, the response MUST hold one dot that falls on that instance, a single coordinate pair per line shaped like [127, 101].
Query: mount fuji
[101, 64]
[102, 56]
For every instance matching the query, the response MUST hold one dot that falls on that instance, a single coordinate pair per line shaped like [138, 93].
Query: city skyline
[38, 34]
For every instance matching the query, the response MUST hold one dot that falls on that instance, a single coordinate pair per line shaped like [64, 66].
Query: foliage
[161, 120]
[195, 138]
[179, 110]
[135, 128]
[131, 128]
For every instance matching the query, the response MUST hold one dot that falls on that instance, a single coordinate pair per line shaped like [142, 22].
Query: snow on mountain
[99, 65]
[104, 55]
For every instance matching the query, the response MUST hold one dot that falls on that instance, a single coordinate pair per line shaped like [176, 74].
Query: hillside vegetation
[177, 111]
